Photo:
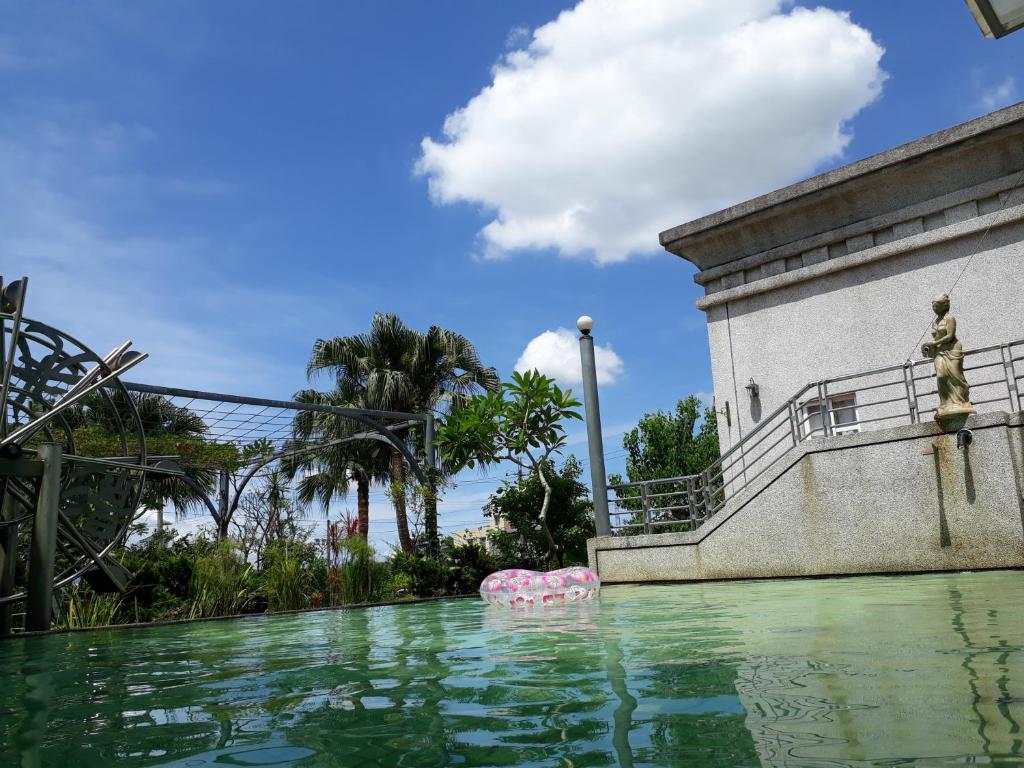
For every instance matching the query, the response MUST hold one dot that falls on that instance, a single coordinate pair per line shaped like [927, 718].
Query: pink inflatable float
[517, 588]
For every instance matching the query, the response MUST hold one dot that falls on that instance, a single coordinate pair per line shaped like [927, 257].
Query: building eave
[841, 196]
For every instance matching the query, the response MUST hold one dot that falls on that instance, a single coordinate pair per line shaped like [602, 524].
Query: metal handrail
[703, 494]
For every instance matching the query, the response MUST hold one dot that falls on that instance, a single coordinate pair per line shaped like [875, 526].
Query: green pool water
[876, 671]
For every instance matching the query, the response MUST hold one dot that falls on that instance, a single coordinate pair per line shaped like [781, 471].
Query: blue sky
[225, 182]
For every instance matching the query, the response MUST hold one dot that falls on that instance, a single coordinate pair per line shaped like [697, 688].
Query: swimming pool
[872, 671]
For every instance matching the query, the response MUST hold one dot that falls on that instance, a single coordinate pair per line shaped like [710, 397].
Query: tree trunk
[223, 528]
[363, 506]
[398, 499]
[553, 549]
[223, 508]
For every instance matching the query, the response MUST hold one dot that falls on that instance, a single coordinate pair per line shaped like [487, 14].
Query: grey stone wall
[835, 274]
[868, 315]
[903, 499]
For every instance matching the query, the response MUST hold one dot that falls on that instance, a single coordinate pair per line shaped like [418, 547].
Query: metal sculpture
[79, 506]
[73, 457]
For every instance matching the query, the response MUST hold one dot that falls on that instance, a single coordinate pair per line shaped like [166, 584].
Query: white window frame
[841, 400]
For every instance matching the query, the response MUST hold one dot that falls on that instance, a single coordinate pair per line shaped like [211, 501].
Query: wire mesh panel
[248, 426]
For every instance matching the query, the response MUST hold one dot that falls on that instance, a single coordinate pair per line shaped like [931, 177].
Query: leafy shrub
[426, 577]
[358, 577]
[220, 582]
[285, 579]
[81, 607]
[161, 568]
[468, 565]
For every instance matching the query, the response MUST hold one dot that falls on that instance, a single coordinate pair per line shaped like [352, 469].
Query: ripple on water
[910, 671]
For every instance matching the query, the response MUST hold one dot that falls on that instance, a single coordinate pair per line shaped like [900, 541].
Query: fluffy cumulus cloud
[557, 354]
[622, 118]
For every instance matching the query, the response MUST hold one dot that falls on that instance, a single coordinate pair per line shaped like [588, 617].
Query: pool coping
[204, 619]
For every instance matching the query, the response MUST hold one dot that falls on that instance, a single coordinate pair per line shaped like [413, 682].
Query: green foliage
[522, 419]
[358, 577]
[667, 445]
[286, 579]
[221, 582]
[81, 607]
[570, 519]
[425, 576]
[672, 444]
[468, 564]
[520, 423]
[161, 567]
[393, 367]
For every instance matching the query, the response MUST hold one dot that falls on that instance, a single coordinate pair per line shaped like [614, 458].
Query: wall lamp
[997, 17]
[752, 389]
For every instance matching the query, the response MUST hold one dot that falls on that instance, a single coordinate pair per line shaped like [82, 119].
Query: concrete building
[818, 297]
[835, 274]
[479, 535]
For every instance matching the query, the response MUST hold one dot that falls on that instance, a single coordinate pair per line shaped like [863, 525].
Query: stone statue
[948, 354]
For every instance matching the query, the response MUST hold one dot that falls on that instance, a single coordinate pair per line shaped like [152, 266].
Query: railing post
[691, 503]
[794, 431]
[43, 549]
[595, 441]
[824, 410]
[911, 390]
[708, 504]
[645, 505]
[1011, 377]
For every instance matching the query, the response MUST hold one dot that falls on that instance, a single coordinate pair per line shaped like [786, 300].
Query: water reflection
[913, 671]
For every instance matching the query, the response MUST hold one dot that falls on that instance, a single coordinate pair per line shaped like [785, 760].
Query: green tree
[396, 368]
[521, 423]
[570, 518]
[328, 473]
[683, 442]
[667, 445]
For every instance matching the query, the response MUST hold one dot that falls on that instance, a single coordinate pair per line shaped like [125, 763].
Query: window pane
[1010, 12]
[813, 410]
[844, 410]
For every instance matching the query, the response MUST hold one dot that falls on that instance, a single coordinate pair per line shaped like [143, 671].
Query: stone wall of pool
[900, 500]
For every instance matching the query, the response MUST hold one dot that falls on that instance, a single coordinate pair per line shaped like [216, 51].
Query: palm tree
[328, 473]
[396, 368]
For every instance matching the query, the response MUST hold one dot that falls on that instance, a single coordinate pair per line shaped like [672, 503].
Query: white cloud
[557, 354]
[622, 118]
[999, 95]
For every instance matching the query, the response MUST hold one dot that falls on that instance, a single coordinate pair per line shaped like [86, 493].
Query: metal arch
[365, 417]
[257, 466]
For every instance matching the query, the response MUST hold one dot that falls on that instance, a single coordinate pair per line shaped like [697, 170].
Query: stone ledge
[888, 250]
[909, 220]
[858, 174]
[782, 465]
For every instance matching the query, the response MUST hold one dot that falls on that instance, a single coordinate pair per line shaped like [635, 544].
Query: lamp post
[592, 408]
[997, 17]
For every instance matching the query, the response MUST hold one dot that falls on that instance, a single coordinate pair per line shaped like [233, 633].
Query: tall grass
[358, 577]
[221, 582]
[85, 608]
[286, 581]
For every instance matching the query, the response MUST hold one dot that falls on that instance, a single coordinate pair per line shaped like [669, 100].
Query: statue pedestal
[953, 419]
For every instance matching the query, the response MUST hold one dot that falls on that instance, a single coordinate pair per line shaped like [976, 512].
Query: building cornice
[912, 242]
[929, 168]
